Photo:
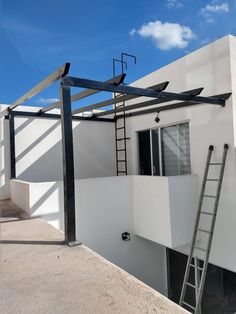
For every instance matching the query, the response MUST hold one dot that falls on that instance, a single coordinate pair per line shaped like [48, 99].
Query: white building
[157, 202]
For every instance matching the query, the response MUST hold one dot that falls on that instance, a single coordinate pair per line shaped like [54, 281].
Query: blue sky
[38, 36]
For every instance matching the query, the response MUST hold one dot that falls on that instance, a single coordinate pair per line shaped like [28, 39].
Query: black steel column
[12, 145]
[68, 165]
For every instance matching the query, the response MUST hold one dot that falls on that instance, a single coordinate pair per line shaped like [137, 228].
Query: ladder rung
[121, 150]
[123, 139]
[213, 180]
[215, 164]
[192, 265]
[204, 230]
[121, 160]
[191, 285]
[207, 213]
[190, 306]
[120, 128]
[200, 248]
[211, 196]
[121, 171]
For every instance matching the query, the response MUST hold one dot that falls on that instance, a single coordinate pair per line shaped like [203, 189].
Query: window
[165, 151]
[175, 150]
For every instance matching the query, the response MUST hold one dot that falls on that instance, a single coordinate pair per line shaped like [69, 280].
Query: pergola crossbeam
[170, 107]
[30, 114]
[117, 80]
[193, 92]
[157, 87]
[60, 73]
[123, 89]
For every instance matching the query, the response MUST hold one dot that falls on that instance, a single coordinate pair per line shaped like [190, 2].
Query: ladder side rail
[219, 185]
[125, 143]
[117, 170]
[187, 271]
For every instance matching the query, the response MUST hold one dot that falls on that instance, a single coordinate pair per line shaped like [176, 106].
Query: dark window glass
[155, 152]
[144, 153]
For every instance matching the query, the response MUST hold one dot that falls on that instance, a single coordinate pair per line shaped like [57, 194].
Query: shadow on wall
[46, 201]
[39, 149]
[39, 162]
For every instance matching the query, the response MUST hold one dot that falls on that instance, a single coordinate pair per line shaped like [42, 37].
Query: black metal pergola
[157, 94]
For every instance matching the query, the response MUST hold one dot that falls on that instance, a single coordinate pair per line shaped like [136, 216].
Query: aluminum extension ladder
[198, 285]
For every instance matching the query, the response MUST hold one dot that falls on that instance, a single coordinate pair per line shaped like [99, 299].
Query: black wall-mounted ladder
[120, 124]
[197, 284]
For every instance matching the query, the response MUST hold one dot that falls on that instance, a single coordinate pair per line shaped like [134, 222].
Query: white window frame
[159, 144]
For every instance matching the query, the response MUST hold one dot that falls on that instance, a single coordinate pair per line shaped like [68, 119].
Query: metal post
[12, 145]
[68, 166]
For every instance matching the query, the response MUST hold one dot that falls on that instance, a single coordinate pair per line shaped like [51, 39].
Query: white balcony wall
[165, 208]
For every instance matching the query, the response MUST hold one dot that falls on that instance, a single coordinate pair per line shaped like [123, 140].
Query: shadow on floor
[30, 242]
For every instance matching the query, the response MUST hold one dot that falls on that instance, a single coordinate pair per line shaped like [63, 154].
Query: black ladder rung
[203, 230]
[215, 163]
[121, 160]
[207, 213]
[191, 285]
[120, 128]
[192, 265]
[213, 179]
[121, 171]
[210, 196]
[190, 306]
[199, 248]
[121, 150]
[123, 139]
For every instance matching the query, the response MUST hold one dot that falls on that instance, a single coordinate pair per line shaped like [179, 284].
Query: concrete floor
[41, 275]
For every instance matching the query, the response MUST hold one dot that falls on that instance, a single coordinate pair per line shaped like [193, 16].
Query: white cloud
[132, 32]
[166, 35]
[216, 8]
[211, 9]
[174, 3]
[47, 101]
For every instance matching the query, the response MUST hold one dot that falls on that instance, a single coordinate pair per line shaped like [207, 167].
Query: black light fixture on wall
[157, 119]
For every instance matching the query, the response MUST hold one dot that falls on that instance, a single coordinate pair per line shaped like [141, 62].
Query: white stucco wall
[214, 68]
[161, 213]
[104, 209]
[39, 149]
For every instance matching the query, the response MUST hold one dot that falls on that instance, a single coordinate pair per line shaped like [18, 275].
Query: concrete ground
[39, 274]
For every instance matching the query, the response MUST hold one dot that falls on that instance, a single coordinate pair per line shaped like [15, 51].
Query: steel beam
[123, 89]
[85, 93]
[169, 107]
[157, 87]
[193, 92]
[12, 146]
[55, 116]
[68, 166]
[61, 72]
